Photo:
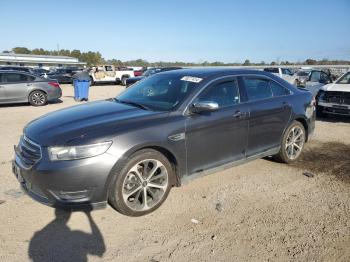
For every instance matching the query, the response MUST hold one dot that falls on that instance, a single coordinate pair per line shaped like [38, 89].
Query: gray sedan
[20, 87]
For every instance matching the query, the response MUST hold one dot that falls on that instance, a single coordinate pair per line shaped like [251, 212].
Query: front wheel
[37, 98]
[123, 80]
[143, 183]
[292, 143]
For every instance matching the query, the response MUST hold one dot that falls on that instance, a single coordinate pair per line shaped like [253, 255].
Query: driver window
[224, 93]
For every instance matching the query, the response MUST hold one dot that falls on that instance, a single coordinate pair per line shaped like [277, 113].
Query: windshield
[159, 92]
[345, 79]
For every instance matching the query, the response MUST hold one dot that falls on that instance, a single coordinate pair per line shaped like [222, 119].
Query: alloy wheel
[145, 185]
[295, 142]
[38, 98]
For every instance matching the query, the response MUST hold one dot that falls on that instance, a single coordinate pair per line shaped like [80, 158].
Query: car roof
[206, 72]
[17, 72]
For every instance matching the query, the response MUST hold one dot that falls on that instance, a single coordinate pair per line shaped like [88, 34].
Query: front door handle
[238, 114]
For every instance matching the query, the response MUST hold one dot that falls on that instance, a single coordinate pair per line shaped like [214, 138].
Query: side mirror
[204, 106]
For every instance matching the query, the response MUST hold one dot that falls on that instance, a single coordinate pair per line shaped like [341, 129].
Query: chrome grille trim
[28, 151]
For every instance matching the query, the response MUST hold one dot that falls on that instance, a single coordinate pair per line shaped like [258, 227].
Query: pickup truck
[110, 74]
[284, 73]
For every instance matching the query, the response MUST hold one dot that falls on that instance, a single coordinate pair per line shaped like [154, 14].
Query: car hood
[337, 87]
[87, 123]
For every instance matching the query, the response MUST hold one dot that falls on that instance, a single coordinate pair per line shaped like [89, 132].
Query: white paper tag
[191, 79]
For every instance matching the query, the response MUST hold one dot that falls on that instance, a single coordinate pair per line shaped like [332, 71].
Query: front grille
[337, 97]
[28, 151]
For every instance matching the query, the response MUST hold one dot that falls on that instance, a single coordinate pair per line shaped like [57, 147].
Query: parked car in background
[149, 72]
[140, 71]
[110, 74]
[334, 98]
[40, 71]
[17, 68]
[21, 87]
[62, 75]
[283, 73]
[166, 129]
[317, 79]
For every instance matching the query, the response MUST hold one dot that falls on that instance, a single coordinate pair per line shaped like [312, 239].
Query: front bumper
[334, 108]
[74, 185]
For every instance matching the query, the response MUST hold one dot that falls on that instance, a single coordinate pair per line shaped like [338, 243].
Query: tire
[123, 80]
[292, 143]
[37, 98]
[92, 82]
[147, 175]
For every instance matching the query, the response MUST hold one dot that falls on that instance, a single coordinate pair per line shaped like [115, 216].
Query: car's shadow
[53, 102]
[334, 119]
[57, 242]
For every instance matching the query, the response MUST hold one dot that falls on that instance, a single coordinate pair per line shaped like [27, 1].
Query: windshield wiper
[132, 103]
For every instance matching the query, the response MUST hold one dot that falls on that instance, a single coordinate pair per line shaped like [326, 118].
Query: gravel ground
[260, 211]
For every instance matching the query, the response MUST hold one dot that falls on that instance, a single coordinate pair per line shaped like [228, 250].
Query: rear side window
[278, 90]
[257, 88]
[224, 93]
[16, 78]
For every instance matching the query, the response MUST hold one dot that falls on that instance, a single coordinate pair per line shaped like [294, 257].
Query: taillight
[54, 84]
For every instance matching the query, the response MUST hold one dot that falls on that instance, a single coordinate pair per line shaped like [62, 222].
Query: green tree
[246, 62]
[20, 50]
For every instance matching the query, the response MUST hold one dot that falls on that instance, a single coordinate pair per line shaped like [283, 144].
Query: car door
[270, 112]
[16, 86]
[2, 89]
[216, 138]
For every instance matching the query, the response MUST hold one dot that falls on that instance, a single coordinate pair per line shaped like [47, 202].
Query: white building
[44, 61]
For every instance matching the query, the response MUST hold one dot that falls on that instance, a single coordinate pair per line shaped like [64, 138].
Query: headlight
[57, 153]
[320, 95]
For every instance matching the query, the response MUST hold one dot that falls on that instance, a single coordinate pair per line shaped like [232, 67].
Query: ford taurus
[130, 151]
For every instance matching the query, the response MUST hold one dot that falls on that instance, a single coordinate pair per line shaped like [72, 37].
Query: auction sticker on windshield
[191, 79]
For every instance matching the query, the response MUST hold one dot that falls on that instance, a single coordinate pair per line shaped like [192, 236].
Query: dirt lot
[260, 211]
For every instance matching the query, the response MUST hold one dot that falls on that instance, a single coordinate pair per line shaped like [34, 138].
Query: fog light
[72, 196]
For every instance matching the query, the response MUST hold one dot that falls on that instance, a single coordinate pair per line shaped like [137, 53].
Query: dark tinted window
[15, 78]
[224, 93]
[278, 90]
[271, 70]
[257, 88]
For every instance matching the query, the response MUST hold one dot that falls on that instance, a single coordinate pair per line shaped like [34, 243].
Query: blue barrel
[81, 90]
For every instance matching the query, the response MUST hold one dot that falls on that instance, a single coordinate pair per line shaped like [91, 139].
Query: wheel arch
[36, 89]
[305, 125]
[176, 180]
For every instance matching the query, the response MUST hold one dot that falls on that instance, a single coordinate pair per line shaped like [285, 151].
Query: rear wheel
[292, 143]
[37, 98]
[142, 185]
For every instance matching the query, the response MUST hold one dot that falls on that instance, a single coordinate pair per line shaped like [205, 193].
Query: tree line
[95, 58]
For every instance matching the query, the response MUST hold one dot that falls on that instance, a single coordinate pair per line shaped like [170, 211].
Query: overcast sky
[183, 30]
